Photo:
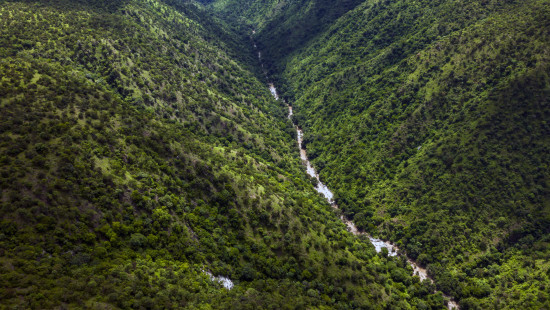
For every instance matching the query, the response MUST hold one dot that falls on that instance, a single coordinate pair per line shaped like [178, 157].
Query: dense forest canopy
[143, 158]
[140, 154]
[429, 121]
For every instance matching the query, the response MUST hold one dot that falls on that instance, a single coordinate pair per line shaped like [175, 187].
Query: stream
[327, 193]
[225, 282]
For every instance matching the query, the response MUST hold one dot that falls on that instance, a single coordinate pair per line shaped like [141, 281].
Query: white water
[325, 191]
[321, 188]
[274, 92]
[226, 282]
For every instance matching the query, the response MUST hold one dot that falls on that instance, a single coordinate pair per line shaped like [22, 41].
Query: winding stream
[327, 193]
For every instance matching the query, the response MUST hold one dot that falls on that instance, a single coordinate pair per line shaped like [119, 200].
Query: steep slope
[429, 120]
[282, 27]
[138, 153]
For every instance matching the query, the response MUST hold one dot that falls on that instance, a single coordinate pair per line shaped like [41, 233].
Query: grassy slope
[135, 153]
[429, 121]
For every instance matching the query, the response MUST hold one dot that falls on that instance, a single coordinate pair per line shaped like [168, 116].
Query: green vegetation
[138, 150]
[282, 26]
[429, 121]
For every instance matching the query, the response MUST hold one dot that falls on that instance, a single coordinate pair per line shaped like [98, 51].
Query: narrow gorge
[321, 188]
[275, 154]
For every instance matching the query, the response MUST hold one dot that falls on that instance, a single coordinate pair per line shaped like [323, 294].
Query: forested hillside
[429, 120]
[282, 26]
[139, 153]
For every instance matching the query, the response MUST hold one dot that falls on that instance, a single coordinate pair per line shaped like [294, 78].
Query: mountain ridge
[140, 157]
[427, 119]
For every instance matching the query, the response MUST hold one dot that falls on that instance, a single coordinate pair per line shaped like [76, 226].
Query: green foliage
[137, 152]
[282, 27]
[428, 119]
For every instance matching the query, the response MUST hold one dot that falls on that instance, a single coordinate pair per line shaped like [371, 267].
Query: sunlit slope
[429, 119]
[136, 153]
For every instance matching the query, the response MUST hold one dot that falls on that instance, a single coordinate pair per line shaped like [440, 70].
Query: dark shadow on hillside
[295, 27]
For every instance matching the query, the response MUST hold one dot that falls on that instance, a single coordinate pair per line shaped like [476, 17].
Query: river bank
[321, 188]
